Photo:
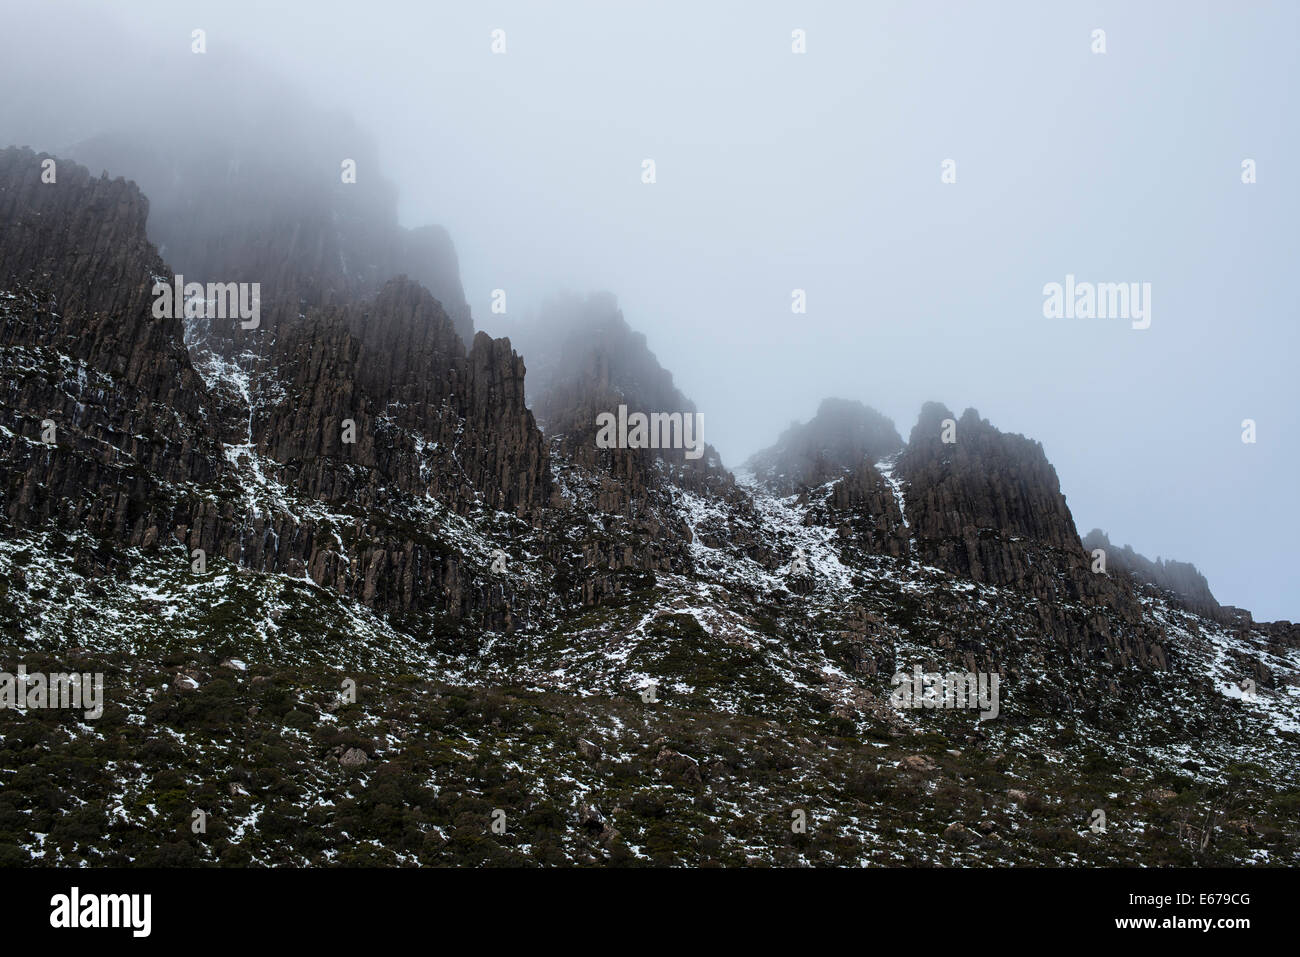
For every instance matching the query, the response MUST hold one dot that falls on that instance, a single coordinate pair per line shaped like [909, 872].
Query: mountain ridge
[645, 658]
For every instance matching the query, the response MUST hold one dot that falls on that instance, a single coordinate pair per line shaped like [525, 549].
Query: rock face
[985, 481]
[1181, 579]
[434, 430]
[350, 434]
[86, 364]
[586, 361]
[867, 511]
[841, 437]
[429, 418]
[988, 506]
[240, 208]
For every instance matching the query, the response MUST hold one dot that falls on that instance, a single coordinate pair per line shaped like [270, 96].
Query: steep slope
[1187, 585]
[344, 447]
[841, 437]
[261, 197]
[106, 419]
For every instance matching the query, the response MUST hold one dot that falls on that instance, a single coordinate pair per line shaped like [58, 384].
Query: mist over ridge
[536, 436]
[777, 173]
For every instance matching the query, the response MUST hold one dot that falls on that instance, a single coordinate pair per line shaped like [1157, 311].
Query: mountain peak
[842, 435]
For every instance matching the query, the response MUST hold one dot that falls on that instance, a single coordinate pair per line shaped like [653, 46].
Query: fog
[821, 171]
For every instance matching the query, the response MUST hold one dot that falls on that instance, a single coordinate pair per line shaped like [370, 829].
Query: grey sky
[822, 171]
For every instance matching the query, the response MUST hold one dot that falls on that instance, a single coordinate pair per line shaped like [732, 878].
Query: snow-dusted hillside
[351, 605]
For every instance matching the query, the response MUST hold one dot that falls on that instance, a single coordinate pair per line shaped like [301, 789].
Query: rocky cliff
[1181, 579]
[328, 446]
[966, 498]
[988, 505]
[642, 658]
[106, 419]
[275, 209]
[837, 440]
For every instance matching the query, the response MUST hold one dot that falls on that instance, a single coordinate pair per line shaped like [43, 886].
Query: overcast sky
[821, 172]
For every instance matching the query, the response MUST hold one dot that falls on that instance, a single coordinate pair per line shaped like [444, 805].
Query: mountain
[262, 197]
[246, 458]
[127, 411]
[359, 588]
[1181, 579]
[841, 436]
[586, 360]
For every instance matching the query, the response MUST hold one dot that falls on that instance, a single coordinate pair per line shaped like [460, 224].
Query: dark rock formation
[838, 439]
[429, 418]
[1188, 586]
[585, 361]
[988, 506]
[138, 457]
[271, 207]
[864, 507]
[984, 481]
[82, 354]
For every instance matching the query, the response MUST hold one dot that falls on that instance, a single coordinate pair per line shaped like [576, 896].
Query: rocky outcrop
[428, 418]
[84, 363]
[988, 506]
[842, 436]
[984, 480]
[334, 446]
[864, 509]
[271, 207]
[1181, 580]
[376, 411]
[76, 247]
